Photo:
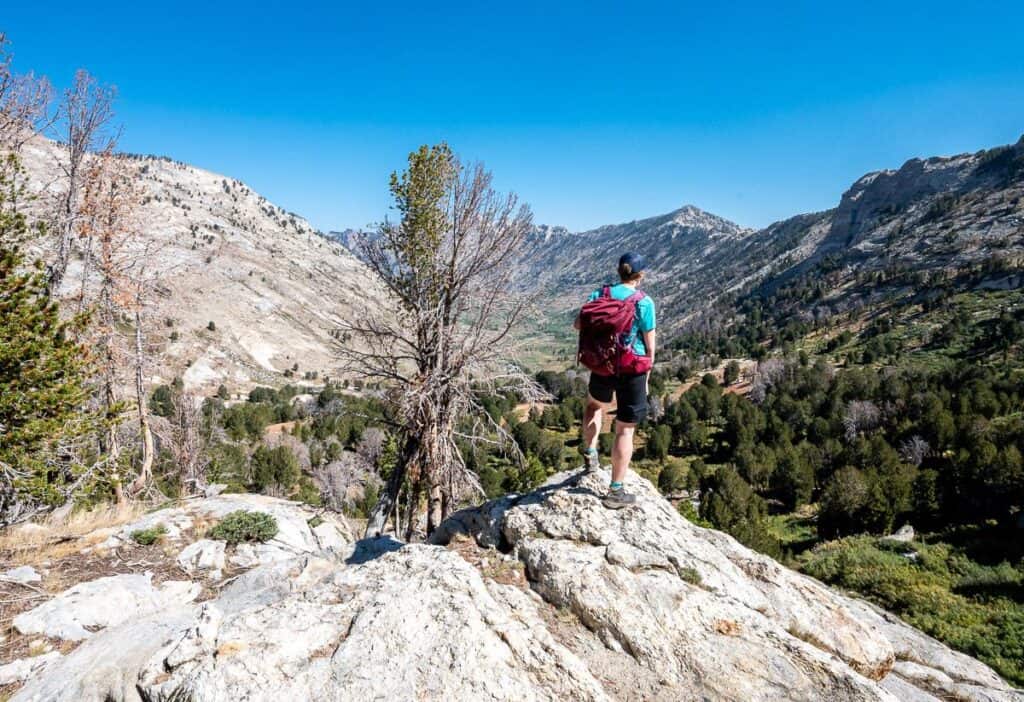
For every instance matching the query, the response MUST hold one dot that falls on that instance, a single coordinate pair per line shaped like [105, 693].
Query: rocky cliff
[543, 596]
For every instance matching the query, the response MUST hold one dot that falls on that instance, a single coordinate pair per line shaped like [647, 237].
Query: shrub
[690, 575]
[148, 537]
[731, 373]
[161, 401]
[243, 525]
[275, 467]
[211, 326]
[972, 607]
[672, 478]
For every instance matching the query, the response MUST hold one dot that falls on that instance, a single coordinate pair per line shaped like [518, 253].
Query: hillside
[938, 218]
[540, 596]
[271, 285]
[687, 250]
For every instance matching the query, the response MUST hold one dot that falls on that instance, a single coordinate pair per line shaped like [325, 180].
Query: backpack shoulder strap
[606, 291]
[636, 297]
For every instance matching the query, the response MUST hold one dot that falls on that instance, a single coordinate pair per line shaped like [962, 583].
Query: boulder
[106, 667]
[101, 603]
[295, 536]
[22, 575]
[708, 614]
[205, 556]
[23, 668]
[904, 534]
[417, 623]
[636, 604]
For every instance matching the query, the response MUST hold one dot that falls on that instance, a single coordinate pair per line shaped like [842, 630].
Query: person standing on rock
[616, 327]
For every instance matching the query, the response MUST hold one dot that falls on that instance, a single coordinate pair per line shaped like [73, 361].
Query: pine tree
[43, 388]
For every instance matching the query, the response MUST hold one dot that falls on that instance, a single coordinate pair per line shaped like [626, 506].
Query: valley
[820, 383]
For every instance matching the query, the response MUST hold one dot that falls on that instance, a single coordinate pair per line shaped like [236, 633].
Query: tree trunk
[378, 520]
[59, 267]
[435, 507]
[146, 468]
[446, 503]
[414, 508]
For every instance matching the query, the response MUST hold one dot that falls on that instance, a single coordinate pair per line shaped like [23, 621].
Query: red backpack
[606, 345]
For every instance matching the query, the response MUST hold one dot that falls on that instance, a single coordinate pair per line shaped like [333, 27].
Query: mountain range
[274, 287]
[936, 216]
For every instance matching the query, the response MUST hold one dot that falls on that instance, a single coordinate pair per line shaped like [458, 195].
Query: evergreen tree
[731, 373]
[43, 390]
[729, 503]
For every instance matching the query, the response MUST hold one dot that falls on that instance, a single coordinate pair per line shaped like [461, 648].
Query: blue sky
[595, 113]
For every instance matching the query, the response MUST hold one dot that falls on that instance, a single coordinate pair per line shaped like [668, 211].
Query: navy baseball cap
[635, 262]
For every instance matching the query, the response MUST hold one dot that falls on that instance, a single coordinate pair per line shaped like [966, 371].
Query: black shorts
[630, 394]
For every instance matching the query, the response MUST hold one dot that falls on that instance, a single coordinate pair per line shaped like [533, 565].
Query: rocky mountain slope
[272, 286]
[542, 596]
[940, 216]
[687, 251]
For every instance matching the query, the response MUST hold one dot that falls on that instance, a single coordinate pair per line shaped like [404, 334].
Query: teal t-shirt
[642, 322]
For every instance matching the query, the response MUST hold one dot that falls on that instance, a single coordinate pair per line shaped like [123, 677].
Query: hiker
[616, 328]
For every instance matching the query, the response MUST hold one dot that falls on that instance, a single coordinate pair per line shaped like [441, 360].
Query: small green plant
[148, 537]
[243, 525]
[690, 575]
[316, 521]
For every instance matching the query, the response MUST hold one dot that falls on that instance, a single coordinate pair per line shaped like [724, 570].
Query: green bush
[690, 575]
[275, 467]
[148, 537]
[672, 478]
[229, 466]
[161, 401]
[243, 525]
[971, 607]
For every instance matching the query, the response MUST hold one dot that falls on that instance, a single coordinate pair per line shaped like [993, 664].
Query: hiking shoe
[591, 461]
[617, 499]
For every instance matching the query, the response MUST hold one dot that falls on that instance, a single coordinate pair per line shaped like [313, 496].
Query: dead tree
[145, 475]
[24, 103]
[85, 115]
[447, 265]
[187, 444]
[115, 289]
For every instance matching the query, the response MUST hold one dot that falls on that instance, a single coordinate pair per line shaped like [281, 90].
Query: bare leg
[623, 450]
[592, 418]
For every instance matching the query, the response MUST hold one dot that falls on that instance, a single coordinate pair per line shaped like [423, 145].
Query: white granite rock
[22, 575]
[203, 557]
[418, 623]
[101, 603]
[24, 668]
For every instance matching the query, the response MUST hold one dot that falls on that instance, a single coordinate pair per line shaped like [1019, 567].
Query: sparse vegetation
[938, 588]
[242, 526]
[148, 537]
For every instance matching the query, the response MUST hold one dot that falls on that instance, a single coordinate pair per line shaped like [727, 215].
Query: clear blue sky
[593, 112]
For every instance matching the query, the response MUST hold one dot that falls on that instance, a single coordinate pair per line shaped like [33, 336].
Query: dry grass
[489, 562]
[727, 627]
[55, 549]
[55, 538]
